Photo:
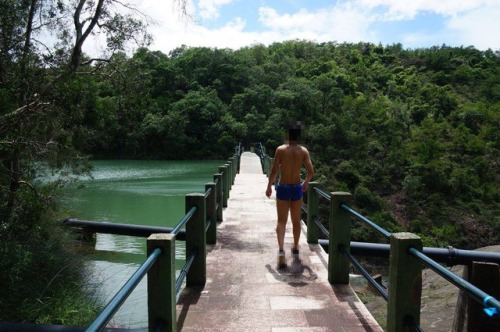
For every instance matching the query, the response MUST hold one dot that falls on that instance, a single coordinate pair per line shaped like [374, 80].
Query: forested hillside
[413, 134]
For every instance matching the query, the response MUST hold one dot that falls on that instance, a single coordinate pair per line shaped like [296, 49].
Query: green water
[133, 192]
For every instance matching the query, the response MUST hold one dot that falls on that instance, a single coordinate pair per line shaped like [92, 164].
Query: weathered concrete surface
[245, 291]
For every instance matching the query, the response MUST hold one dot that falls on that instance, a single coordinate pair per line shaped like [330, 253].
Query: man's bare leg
[295, 209]
[282, 206]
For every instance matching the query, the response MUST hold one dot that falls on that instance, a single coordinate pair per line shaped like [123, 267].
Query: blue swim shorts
[289, 192]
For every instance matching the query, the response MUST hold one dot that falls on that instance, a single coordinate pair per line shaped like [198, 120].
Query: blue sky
[238, 23]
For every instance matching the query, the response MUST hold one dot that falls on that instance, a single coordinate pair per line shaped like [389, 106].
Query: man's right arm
[309, 168]
[274, 172]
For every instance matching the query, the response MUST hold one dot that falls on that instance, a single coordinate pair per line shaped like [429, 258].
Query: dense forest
[413, 134]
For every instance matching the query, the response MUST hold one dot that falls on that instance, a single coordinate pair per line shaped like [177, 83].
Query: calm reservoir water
[133, 192]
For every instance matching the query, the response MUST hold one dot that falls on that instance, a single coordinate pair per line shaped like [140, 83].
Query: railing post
[219, 197]
[486, 277]
[269, 166]
[235, 167]
[405, 283]
[238, 161]
[340, 236]
[196, 240]
[229, 177]
[312, 212]
[211, 205]
[161, 284]
[232, 161]
[225, 185]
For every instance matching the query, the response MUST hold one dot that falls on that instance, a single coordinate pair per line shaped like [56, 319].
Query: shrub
[42, 279]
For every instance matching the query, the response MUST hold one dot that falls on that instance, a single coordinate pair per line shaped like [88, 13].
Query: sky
[238, 23]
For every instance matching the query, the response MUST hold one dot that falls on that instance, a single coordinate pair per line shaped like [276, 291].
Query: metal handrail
[480, 296]
[323, 229]
[327, 196]
[440, 255]
[208, 224]
[185, 269]
[412, 325]
[261, 152]
[477, 294]
[367, 221]
[184, 220]
[121, 229]
[365, 273]
[490, 304]
[323, 193]
[116, 302]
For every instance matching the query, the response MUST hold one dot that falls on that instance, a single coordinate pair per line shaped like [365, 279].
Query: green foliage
[413, 134]
[53, 108]
[42, 280]
[368, 200]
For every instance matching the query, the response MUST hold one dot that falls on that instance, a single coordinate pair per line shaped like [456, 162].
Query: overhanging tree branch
[81, 36]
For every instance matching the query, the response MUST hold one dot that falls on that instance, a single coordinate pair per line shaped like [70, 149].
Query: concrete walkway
[245, 291]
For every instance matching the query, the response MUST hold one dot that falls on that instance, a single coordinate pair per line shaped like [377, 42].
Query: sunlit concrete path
[245, 291]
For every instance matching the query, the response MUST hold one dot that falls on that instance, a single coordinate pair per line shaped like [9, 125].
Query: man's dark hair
[295, 130]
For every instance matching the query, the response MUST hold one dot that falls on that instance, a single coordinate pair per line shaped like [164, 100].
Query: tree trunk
[14, 162]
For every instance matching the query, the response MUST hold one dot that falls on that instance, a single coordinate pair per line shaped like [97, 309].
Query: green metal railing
[184, 220]
[405, 250]
[260, 151]
[199, 220]
[198, 228]
[491, 305]
[116, 302]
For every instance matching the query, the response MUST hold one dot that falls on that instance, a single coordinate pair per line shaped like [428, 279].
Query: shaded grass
[43, 279]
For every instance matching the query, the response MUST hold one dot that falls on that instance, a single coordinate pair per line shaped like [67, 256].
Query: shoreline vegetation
[44, 279]
[412, 134]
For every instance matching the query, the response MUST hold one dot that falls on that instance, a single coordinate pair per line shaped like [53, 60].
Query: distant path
[246, 292]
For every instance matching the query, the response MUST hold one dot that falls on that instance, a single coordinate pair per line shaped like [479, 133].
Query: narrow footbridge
[231, 282]
[245, 291]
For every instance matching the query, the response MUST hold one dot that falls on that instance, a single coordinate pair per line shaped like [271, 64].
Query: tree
[37, 77]
[47, 110]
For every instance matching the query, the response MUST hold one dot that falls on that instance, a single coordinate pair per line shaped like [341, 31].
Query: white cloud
[404, 10]
[209, 9]
[342, 23]
[231, 35]
[478, 27]
[419, 39]
[475, 28]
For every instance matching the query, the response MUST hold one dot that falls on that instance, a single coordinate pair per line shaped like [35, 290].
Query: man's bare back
[289, 159]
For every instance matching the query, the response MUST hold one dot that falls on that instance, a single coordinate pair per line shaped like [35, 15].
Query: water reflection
[116, 243]
[113, 276]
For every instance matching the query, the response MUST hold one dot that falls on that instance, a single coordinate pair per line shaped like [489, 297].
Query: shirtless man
[289, 158]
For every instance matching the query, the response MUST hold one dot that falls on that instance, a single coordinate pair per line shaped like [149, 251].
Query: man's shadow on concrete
[296, 274]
